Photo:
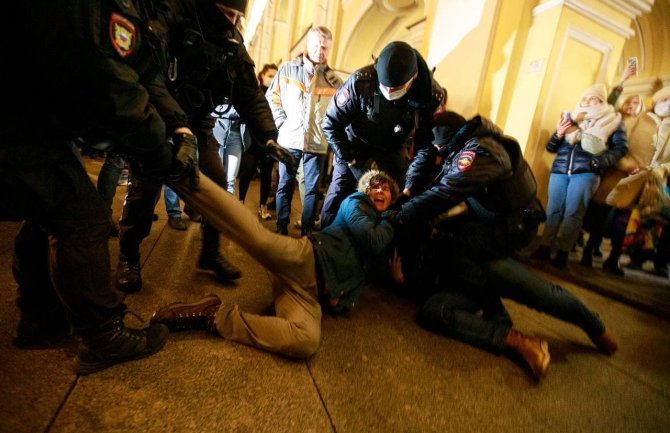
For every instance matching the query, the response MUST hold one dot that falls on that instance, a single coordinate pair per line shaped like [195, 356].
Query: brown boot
[605, 342]
[534, 351]
[180, 316]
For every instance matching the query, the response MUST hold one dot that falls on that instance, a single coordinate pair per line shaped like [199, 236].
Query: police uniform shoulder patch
[342, 97]
[465, 159]
[123, 34]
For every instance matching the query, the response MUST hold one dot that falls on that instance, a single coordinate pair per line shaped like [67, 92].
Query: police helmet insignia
[123, 34]
[465, 159]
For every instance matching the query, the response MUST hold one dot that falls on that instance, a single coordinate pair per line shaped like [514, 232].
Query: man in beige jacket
[298, 97]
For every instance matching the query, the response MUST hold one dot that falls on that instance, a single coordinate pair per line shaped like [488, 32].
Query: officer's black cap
[445, 125]
[396, 64]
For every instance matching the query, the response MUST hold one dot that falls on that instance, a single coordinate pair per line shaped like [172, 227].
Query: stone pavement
[376, 371]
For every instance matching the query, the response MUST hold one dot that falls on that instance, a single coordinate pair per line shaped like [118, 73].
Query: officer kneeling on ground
[471, 265]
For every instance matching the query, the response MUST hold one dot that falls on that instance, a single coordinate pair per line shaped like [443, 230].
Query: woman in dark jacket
[585, 146]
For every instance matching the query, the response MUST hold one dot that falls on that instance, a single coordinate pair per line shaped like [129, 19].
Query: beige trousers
[296, 329]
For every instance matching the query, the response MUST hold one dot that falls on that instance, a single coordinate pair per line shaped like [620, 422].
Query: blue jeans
[454, 312]
[569, 197]
[312, 170]
[231, 156]
[171, 202]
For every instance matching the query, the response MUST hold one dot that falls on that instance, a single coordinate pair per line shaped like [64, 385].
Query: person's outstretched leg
[513, 280]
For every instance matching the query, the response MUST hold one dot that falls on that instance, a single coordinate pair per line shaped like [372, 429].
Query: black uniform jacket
[478, 163]
[98, 65]
[359, 116]
[210, 66]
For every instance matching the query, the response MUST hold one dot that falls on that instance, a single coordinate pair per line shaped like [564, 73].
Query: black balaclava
[445, 126]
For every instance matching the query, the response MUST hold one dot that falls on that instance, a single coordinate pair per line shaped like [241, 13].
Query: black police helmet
[396, 64]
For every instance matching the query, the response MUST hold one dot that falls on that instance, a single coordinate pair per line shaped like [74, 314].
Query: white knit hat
[663, 93]
[596, 90]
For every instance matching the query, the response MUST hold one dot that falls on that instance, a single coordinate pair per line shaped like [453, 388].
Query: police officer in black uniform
[209, 66]
[372, 116]
[471, 259]
[96, 61]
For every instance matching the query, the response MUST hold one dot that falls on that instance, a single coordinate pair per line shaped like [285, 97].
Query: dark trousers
[454, 312]
[108, 178]
[251, 159]
[61, 258]
[143, 194]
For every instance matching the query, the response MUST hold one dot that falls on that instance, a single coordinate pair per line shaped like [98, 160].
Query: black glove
[278, 153]
[401, 200]
[390, 215]
[185, 159]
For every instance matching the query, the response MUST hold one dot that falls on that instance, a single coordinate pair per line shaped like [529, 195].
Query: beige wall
[519, 62]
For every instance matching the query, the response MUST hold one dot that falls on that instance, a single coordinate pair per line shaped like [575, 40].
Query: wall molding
[585, 10]
[575, 33]
[631, 8]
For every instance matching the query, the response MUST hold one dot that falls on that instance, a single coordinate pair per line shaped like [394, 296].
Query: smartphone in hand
[632, 63]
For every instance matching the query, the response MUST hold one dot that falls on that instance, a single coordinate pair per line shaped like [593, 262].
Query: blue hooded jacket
[347, 249]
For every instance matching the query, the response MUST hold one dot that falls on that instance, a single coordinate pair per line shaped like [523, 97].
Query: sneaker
[177, 223]
[180, 316]
[128, 276]
[263, 213]
[117, 344]
[225, 271]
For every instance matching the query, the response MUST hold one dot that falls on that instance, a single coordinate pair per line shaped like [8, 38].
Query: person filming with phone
[589, 141]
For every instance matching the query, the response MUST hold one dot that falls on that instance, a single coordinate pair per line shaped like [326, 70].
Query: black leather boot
[113, 343]
[128, 276]
[213, 261]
